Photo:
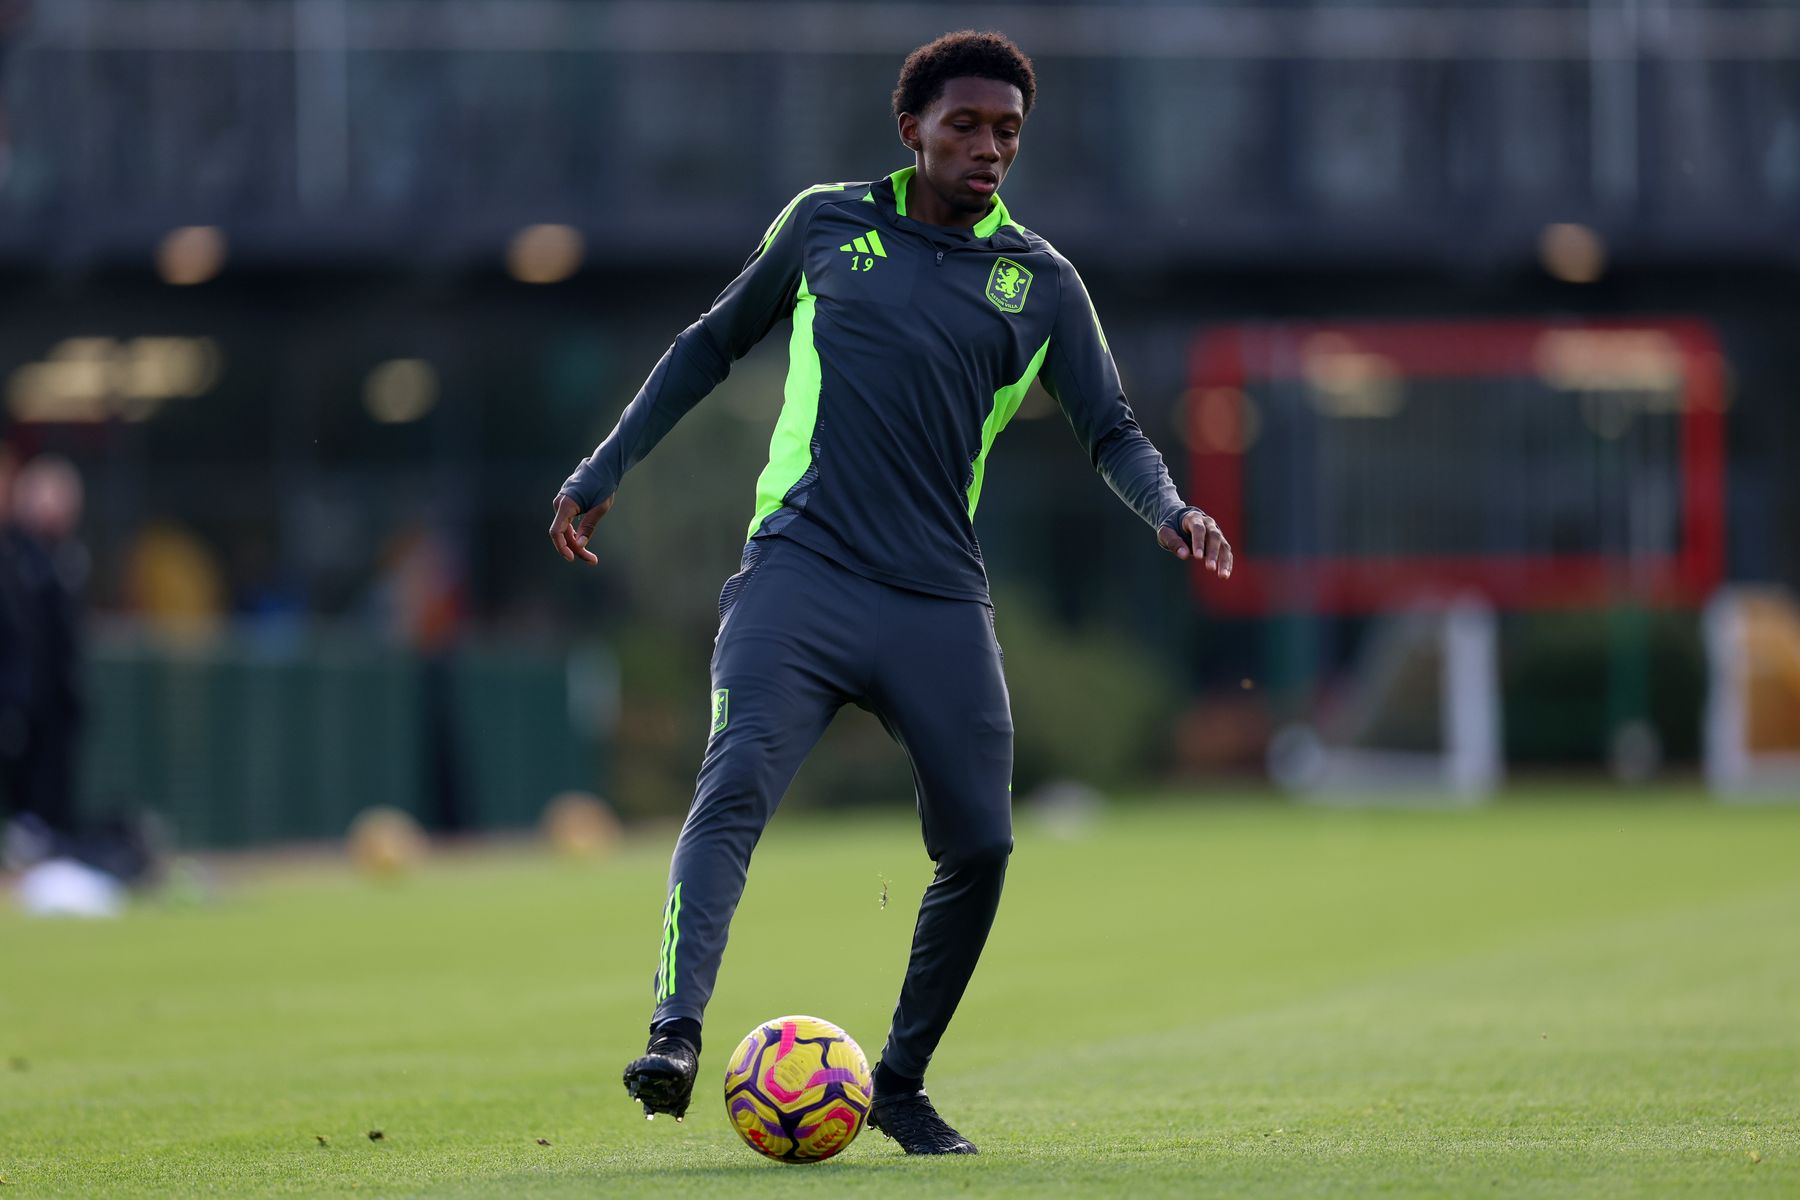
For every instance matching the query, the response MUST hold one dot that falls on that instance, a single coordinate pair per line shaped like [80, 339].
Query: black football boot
[910, 1120]
[662, 1080]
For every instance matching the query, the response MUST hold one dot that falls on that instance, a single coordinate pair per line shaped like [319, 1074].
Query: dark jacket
[912, 348]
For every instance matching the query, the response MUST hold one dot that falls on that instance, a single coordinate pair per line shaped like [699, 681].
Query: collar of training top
[998, 227]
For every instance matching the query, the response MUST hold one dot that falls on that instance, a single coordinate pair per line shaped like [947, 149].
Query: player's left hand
[1199, 539]
[572, 529]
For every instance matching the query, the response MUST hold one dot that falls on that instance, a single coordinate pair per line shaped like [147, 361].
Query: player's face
[967, 140]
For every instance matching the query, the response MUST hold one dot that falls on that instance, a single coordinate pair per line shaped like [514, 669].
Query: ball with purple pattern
[797, 1089]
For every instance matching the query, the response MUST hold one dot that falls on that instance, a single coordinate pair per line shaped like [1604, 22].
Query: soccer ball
[797, 1089]
[386, 842]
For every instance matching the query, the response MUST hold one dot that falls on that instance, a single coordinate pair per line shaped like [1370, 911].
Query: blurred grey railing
[430, 130]
[1283, 29]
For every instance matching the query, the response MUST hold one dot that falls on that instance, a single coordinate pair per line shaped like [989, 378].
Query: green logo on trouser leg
[1008, 284]
[721, 708]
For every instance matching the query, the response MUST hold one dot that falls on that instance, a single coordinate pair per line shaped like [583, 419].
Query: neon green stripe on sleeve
[790, 446]
[775, 225]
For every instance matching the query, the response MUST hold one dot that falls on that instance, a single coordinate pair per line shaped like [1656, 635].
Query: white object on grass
[62, 887]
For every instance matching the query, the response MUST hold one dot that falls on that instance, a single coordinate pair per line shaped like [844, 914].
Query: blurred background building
[1490, 303]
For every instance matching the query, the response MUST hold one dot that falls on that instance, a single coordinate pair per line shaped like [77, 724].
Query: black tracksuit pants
[799, 637]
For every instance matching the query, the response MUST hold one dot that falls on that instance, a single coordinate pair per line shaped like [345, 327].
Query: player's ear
[909, 132]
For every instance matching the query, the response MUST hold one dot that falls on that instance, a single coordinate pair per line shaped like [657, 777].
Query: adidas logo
[869, 243]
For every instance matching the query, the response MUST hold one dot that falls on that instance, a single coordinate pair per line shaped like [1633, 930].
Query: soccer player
[921, 314]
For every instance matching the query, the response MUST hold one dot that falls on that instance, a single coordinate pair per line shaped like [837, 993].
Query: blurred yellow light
[189, 255]
[1350, 383]
[1572, 253]
[161, 368]
[400, 390]
[1583, 360]
[544, 253]
[91, 379]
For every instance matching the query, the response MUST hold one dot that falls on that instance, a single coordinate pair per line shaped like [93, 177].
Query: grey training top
[912, 346]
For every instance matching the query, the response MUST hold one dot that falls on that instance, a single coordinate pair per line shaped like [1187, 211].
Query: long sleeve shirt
[912, 347]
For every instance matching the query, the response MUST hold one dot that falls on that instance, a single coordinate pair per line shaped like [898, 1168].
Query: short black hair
[955, 56]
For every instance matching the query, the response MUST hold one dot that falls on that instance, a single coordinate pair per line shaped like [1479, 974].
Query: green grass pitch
[1559, 995]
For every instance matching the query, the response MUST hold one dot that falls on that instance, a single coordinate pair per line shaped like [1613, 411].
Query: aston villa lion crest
[1007, 285]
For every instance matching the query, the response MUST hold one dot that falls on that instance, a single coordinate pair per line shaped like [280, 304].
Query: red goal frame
[1219, 368]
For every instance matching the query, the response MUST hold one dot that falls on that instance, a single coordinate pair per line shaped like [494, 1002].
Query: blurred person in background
[922, 312]
[46, 568]
[15, 664]
[421, 601]
[76, 865]
[267, 595]
[174, 581]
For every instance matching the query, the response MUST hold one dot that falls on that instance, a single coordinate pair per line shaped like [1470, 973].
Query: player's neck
[927, 207]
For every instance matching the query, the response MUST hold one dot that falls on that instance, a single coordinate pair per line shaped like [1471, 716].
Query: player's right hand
[1198, 539]
[571, 528]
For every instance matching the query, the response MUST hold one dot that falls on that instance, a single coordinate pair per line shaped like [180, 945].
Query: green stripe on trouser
[671, 940]
[791, 652]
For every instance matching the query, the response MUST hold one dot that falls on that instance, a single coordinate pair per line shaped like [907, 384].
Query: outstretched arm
[1079, 372]
[698, 361]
